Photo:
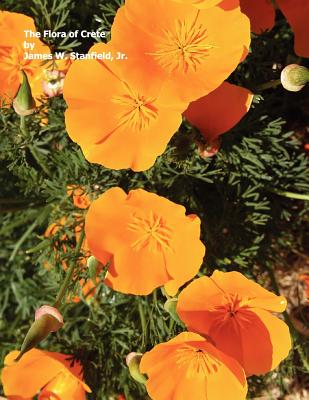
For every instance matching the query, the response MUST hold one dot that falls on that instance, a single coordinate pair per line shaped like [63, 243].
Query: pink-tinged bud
[294, 77]
[24, 103]
[133, 361]
[53, 83]
[47, 319]
[210, 149]
[54, 312]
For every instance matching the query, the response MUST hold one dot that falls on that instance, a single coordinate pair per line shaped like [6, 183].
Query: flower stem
[269, 85]
[292, 195]
[70, 272]
[33, 150]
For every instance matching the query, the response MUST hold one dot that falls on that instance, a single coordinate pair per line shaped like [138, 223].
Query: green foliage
[247, 224]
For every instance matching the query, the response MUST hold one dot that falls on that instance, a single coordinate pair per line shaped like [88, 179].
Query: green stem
[22, 239]
[143, 321]
[269, 85]
[291, 195]
[70, 272]
[33, 150]
[23, 126]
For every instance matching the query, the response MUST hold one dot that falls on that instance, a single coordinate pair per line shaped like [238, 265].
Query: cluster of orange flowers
[123, 114]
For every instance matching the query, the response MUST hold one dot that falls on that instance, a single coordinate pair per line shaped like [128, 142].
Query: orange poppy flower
[12, 56]
[235, 312]
[190, 367]
[180, 46]
[118, 124]
[261, 14]
[296, 13]
[147, 239]
[50, 374]
[262, 17]
[219, 111]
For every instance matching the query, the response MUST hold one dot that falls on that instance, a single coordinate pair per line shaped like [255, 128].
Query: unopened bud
[210, 149]
[133, 361]
[294, 77]
[53, 82]
[24, 103]
[47, 319]
[92, 264]
[170, 306]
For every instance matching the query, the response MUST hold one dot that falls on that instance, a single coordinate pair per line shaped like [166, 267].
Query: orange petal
[156, 23]
[296, 12]
[148, 239]
[27, 376]
[261, 14]
[219, 111]
[235, 282]
[190, 367]
[64, 386]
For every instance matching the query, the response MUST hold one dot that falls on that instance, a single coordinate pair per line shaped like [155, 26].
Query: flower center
[183, 48]
[153, 233]
[198, 361]
[137, 111]
[232, 310]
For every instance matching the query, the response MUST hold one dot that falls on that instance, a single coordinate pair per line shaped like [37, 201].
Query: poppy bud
[170, 306]
[294, 77]
[53, 83]
[47, 319]
[133, 360]
[210, 149]
[92, 264]
[24, 103]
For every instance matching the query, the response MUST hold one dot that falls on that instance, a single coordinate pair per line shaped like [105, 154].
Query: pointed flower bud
[133, 360]
[24, 103]
[294, 77]
[47, 319]
[170, 306]
[92, 264]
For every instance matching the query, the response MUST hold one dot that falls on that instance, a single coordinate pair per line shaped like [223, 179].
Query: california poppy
[12, 56]
[261, 14]
[51, 375]
[219, 111]
[262, 17]
[236, 313]
[190, 367]
[117, 123]
[296, 13]
[147, 240]
[178, 45]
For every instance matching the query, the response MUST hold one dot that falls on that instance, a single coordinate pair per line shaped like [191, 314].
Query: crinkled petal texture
[236, 313]
[118, 124]
[12, 57]
[189, 367]
[219, 111]
[180, 46]
[148, 240]
[261, 14]
[297, 13]
[36, 369]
